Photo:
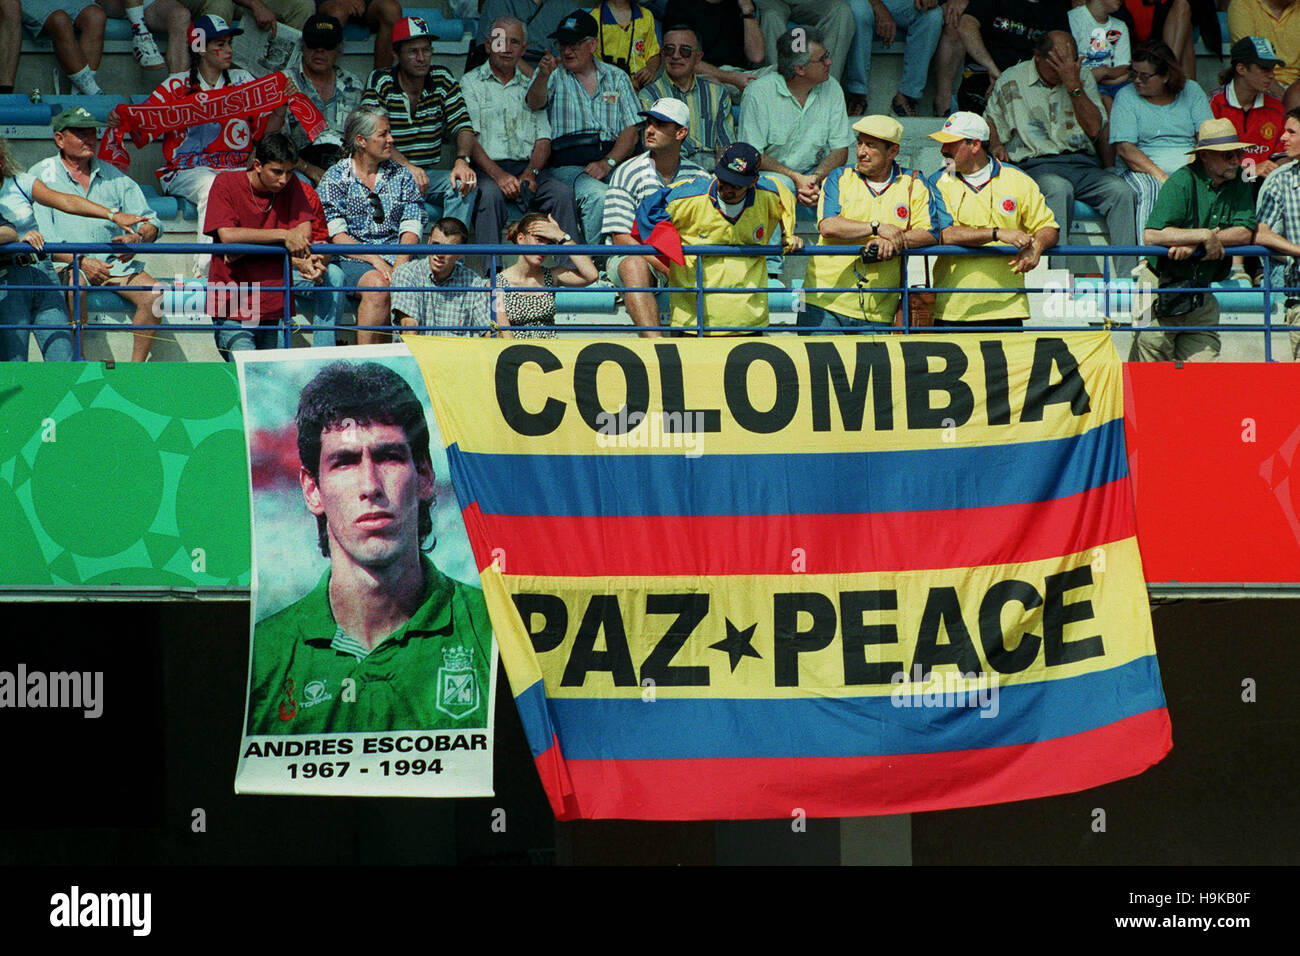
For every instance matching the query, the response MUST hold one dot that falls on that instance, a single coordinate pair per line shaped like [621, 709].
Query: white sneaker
[146, 51]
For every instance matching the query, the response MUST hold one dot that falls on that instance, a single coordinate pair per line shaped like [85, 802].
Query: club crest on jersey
[457, 683]
[900, 212]
[1008, 204]
[758, 233]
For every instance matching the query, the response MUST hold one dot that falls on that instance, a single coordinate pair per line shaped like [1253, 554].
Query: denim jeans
[923, 31]
[816, 320]
[590, 196]
[44, 306]
[443, 194]
[328, 301]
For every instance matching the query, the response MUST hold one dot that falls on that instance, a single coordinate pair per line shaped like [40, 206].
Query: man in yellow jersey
[990, 204]
[733, 207]
[878, 208]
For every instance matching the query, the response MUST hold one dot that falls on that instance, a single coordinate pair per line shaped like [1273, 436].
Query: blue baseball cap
[738, 165]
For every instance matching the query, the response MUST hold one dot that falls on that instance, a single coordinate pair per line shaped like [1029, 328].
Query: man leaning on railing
[1202, 206]
[1279, 220]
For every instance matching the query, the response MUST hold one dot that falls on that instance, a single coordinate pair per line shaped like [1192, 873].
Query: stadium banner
[371, 658]
[831, 576]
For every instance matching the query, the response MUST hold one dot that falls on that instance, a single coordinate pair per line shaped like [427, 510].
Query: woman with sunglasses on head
[520, 306]
[1153, 124]
[368, 197]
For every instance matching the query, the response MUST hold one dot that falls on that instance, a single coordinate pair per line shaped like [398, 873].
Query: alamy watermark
[59, 690]
[678, 430]
[976, 691]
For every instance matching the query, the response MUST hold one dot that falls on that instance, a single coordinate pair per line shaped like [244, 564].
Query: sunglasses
[377, 209]
[685, 52]
[1142, 77]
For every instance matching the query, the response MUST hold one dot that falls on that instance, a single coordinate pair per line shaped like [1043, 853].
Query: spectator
[418, 301]
[1258, 117]
[1169, 22]
[948, 58]
[874, 206]
[1153, 123]
[831, 19]
[1277, 21]
[1244, 99]
[76, 171]
[265, 13]
[521, 307]
[712, 125]
[921, 20]
[334, 91]
[796, 117]
[264, 204]
[44, 304]
[424, 104]
[989, 204]
[370, 198]
[192, 157]
[660, 166]
[165, 16]
[514, 142]
[626, 39]
[1204, 205]
[324, 291]
[540, 18]
[731, 40]
[998, 34]
[1279, 221]
[733, 207]
[1044, 115]
[1103, 40]
[592, 110]
[379, 15]
[62, 21]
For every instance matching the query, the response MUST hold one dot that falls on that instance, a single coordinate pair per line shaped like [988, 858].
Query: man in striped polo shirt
[1279, 221]
[712, 125]
[667, 126]
[424, 104]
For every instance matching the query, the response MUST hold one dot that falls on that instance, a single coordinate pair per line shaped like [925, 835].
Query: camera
[871, 253]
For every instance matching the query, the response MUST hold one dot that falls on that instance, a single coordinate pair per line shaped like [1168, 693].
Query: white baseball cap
[961, 126]
[669, 110]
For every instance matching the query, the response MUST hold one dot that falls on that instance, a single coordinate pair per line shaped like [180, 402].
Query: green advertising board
[122, 479]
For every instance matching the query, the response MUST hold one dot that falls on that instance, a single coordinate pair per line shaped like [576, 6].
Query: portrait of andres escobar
[385, 640]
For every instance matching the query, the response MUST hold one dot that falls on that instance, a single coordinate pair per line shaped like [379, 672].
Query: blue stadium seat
[188, 209]
[97, 106]
[786, 299]
[1085, 213]
[16, 109]
[587, 301]
[167, 207]
[355, 31]
[441, 28]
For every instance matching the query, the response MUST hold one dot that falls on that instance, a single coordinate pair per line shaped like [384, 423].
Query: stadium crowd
[705, 122]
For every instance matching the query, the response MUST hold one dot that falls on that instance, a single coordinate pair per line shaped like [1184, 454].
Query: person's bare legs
[141, 294]
[1178, 35]
[174, 19]
[11, 41]
[384, 14]
[947, 63]
[641, 306]
[375, 309]
[90, 27]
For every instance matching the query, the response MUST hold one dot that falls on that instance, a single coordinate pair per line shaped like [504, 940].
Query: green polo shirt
[1190, 200]
[430, 673]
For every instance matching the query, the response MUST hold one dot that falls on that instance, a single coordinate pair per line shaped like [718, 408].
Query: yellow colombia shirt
[693, 209]
[907, 201]
[627, 47]
[1009, 200]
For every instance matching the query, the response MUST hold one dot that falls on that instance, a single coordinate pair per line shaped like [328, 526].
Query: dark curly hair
[366, 393]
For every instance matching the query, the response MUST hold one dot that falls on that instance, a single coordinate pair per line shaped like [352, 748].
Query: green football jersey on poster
[431, 673]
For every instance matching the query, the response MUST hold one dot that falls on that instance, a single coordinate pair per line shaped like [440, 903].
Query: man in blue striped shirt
[667, 126]
[586, 97]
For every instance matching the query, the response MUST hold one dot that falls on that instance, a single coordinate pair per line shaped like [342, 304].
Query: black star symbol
[738, 644]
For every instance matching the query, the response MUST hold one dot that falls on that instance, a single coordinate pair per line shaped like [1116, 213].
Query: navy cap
[578, 25]
[322, 32]
[1255, 50]
[738, 165]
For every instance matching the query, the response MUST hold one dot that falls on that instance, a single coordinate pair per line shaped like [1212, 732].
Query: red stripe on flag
[762, 544]
[731, 789]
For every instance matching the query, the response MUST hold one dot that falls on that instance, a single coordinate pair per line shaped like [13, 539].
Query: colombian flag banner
[738, 578]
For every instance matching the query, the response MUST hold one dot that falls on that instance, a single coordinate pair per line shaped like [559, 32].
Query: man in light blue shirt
[75, 170]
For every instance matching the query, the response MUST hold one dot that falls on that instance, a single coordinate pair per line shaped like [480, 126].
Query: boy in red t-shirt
[262, 204]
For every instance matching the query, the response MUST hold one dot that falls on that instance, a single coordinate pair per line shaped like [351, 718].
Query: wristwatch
[611, 162]
[534, 170]
[566, 238]
[875, 227]
[995, 233]
[1078, 91]
[462, 159]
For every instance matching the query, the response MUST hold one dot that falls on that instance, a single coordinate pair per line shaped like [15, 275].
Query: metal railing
[494, 254]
